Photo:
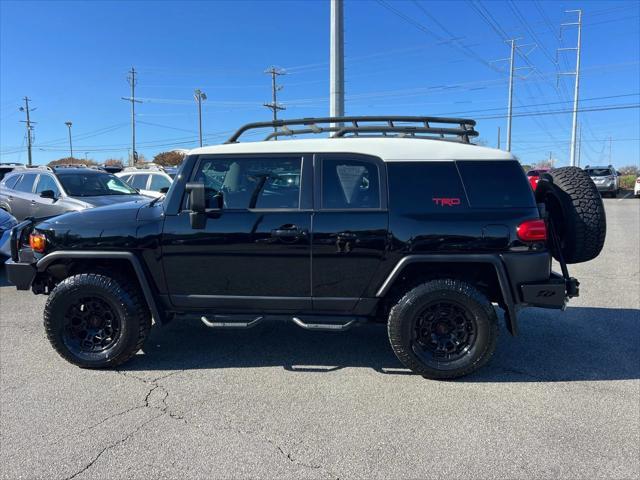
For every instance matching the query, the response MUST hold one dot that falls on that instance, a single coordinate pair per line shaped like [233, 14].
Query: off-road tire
[126, 301]
[577, 212]
[406, 312]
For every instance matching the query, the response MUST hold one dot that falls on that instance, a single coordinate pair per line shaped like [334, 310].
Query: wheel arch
[89, 258]
[421, 267]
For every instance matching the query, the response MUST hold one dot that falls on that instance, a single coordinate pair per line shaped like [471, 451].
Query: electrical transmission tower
[514, 49]
[274, 106]
[574, 125]
[131, 79]
[29, 123]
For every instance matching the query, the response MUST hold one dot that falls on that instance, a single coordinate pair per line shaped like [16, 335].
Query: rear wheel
[443, 329]
[95, 321]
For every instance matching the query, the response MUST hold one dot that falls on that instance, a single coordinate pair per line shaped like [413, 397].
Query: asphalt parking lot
[560, 400]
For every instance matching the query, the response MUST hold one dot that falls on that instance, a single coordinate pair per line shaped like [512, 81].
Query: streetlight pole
[199, 96]
[68, 124]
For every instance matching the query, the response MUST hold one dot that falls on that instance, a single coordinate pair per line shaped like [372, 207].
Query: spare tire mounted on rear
[576, 213]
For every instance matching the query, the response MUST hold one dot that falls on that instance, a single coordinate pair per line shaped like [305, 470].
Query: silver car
[44, 192]
[606, 179]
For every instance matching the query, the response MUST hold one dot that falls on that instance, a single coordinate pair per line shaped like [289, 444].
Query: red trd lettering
[446, 202]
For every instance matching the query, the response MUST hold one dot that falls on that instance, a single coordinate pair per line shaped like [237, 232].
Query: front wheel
[443, 329]
[95, 321]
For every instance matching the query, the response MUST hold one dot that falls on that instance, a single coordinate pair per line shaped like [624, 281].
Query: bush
[627, 182]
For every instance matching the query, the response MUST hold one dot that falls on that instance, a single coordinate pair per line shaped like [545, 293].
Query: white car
[636, 188]
[149, 182]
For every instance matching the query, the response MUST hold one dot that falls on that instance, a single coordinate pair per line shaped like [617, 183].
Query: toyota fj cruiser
[394, 219]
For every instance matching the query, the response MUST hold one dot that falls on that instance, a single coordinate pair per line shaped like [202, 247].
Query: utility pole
[336, 61]
[27, 110]
[512, 72]
[510, 105]
[610, 150]
[131, 79]
[85, 156]
[68, 124]
[574, 126]
[274, 106]
[498, 138]
[579, 145]
[199, 96]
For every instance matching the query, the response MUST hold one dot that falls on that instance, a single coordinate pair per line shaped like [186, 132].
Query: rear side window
[350, 184]
[10, 181]
[26, 183]
[495, 184]
[417, 187]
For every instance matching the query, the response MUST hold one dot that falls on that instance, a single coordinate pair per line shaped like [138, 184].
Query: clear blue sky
[402, 57]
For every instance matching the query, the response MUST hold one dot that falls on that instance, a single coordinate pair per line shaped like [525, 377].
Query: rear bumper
[554, 293]
[606, 188]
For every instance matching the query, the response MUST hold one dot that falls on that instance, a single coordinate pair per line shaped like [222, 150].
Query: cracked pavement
[560, 400]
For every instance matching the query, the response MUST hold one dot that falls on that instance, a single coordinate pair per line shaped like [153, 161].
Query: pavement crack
[88, 465]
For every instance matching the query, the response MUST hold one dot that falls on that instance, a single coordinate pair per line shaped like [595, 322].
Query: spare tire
[576, 211]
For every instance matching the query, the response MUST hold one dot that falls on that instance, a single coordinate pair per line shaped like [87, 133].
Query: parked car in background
[43, 191]
[151, 181]
[171, 171]
[111, 168]
[534, 176]
[7, 222]
[606, 179]
[636, 187]
[8, 167]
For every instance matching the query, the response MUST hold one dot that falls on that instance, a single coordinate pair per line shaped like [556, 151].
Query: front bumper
[21, 274]
[606, 188]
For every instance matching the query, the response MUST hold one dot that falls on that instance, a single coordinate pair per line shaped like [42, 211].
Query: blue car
[7, 222]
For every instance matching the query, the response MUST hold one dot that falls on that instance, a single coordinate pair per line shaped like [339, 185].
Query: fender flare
[156, 313]
[494, 259]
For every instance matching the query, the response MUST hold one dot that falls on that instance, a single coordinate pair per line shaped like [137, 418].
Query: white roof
[389, 149]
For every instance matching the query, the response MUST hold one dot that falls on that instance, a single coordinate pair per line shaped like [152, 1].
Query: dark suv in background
[44, 192]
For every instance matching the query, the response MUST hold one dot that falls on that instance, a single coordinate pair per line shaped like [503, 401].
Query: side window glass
[25, 184]
[251, 182]
[47, 183]
[159, 182]
[10, 182]
[350, 184]
[126, 179]
[139, 181]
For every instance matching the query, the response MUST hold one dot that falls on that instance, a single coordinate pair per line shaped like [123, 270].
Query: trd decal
[446, 202]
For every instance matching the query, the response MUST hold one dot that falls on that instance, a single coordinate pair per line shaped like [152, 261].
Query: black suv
[44, 192]
[393, 219]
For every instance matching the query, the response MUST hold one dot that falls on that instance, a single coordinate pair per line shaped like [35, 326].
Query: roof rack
[423, 127]
[34, 167]
[71, 165]
[147, 166]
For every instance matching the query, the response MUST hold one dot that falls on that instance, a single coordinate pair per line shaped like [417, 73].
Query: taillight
[532, 231]
[533, 180]
[37, 242]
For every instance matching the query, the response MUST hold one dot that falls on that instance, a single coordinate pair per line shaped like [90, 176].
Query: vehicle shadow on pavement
[582, 343]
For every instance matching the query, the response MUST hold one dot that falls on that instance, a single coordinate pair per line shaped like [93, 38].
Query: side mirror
[164, 190]
[48, 194]
[197, 204]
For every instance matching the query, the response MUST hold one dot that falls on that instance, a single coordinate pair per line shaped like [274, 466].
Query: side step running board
[327, 327]
[219, 324]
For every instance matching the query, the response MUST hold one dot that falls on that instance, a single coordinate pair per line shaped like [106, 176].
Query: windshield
[94, 184]
[598, 172]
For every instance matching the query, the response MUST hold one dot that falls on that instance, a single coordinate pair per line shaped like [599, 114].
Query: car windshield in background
[93, 184]
[598, 172]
